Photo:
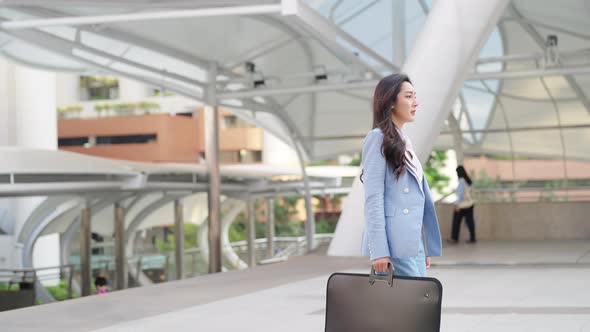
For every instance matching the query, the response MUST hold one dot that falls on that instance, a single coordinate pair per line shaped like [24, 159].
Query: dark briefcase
[375, 303]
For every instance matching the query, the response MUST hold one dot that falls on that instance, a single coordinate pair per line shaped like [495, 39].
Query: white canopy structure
[309, 78]
[514, 80]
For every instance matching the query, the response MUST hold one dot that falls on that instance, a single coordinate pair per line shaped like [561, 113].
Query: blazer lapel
[415, 176]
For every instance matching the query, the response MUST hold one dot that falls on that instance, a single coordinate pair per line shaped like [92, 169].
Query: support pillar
[178, 239]
[270, 228]
[120, 266]
[436, 44]
[251, 233]
[457, 139]
[85, 254]
[212, 159]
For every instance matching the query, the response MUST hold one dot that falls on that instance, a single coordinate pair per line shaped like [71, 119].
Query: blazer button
[406, 190]
[406, 211]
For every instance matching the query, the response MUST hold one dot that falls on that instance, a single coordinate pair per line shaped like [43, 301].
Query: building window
[106, 140]
[247, 156]
[229, 157]
[72, 141]
[232, 121]
[98, 87]
[125, 139]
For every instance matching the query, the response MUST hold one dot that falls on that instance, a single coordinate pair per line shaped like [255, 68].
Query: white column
[398, 27]
[35, 104]
[277, 152]
[445, 51]
[68, 89]
[28, 119]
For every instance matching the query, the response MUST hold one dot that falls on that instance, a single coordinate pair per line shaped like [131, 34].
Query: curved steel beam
[136, 222]
[42, 216]
[235, 207]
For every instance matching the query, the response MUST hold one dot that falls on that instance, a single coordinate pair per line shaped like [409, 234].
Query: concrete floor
[490, 286]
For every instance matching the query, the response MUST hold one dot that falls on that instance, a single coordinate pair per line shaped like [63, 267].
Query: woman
[401, 227]
[463, 207]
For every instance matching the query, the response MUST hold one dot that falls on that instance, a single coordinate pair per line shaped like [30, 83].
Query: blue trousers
[411, 266]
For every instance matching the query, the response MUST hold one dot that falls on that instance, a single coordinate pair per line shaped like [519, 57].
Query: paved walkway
[490, 286]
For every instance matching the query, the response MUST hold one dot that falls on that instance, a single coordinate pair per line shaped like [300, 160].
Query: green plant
[4, 287]
[190, 239]
[147, 106]
[60, 291]
[124, 108]
[324, 226]
[356, 161]
[167, 93]
[436, 180]
[62, 111]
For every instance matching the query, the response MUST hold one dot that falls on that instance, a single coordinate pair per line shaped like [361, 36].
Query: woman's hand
[457, 208]
[380, 264]
[427, 262]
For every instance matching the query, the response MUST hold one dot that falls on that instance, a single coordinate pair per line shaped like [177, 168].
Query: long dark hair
[461, 173]
[394, 147]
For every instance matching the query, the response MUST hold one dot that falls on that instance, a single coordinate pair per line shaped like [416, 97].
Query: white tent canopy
[307, 74]
[262, 44]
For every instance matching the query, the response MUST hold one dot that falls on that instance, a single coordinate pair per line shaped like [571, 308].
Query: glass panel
[525, 88]
[546, 143]
[29, 53]
[62, 32]
[559, 87]
[162, 62]
[102, 43]
[497, 117]
[526, 113]
[584, 84]
[492, 48]
[573, 113]
[91, 57]
[443, 142]
[167, 83]
[577, 142]
[479, 105]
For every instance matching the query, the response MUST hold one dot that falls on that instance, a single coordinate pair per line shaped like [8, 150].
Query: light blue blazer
[397, 211]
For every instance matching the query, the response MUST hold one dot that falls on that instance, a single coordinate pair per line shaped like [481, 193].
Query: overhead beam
[521, 19]
[556, 71]
[369, 84]
[463, 131]
[149, 16]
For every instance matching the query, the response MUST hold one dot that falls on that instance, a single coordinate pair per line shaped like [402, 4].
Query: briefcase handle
[386, 278]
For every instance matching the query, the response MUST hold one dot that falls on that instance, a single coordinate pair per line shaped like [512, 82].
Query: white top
[414, 162]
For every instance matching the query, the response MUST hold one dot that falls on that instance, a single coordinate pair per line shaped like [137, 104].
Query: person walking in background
[101, 285]
[401, 228]
[463, 207]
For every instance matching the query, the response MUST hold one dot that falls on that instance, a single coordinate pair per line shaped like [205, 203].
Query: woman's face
[404, 109]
